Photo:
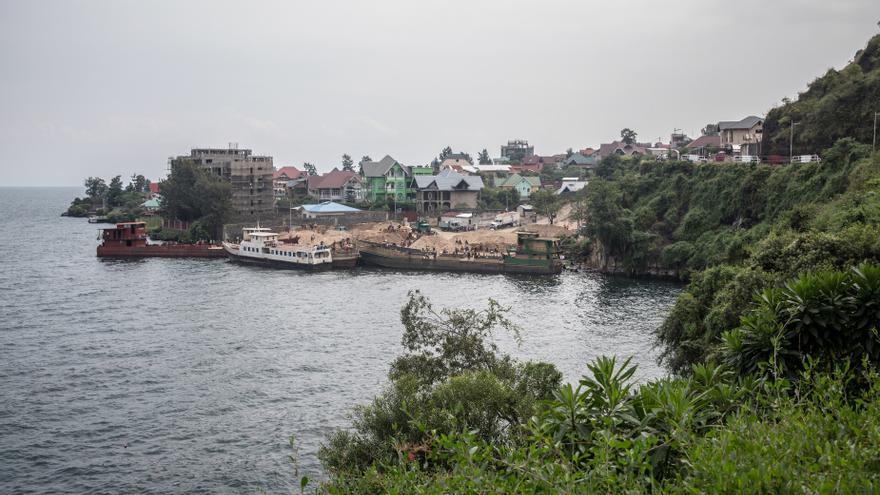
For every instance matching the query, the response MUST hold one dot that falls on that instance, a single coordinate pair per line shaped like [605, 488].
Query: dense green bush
[450, 377]
[832, 316]
[711, 433]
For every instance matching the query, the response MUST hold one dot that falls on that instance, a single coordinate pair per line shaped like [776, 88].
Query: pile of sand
[545, 230]
[401, 234]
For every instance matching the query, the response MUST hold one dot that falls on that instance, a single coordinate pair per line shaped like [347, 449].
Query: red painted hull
[162, 251]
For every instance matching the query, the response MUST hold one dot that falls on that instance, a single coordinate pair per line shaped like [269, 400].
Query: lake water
[163, 375]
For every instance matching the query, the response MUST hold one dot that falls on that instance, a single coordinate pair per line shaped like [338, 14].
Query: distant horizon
[113, 88]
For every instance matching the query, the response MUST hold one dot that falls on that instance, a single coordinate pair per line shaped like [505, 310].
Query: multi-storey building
[249, 175]
[517, 148]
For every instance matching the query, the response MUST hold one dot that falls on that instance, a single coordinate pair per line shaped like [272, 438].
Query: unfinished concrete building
[249, 175]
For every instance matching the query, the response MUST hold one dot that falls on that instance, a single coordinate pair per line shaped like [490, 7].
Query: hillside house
[288, 179]
[744, 134]
[447, 190]
[524, 185]
[623, 149]
[458, 164]
[579, 159]
[571, 185]
[337, 185]
[704, 145]
[387, 180]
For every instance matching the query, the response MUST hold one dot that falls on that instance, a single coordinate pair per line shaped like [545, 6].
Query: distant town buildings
[250, 176]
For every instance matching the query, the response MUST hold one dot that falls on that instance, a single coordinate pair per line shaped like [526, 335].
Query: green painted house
[525, 185]
[391, 181]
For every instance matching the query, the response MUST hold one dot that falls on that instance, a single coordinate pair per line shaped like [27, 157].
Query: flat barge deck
[533, 255]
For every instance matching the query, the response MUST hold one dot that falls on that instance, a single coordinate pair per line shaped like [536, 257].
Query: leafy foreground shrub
[707, 434]
[831, 315]
[450, 377]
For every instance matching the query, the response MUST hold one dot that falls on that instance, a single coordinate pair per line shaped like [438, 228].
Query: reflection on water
[190, 375]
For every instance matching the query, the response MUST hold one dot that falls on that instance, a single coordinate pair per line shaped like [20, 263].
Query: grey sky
[115, 87]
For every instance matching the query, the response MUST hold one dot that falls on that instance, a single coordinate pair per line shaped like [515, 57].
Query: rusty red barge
[129, 240]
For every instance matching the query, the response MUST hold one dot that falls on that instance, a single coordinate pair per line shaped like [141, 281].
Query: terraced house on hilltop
[389, 180]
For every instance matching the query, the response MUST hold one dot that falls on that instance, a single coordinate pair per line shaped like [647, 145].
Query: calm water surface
[158, 376]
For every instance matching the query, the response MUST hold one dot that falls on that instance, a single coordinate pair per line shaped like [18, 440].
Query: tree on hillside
[569, 152]
[628, 135]
[114, 192]
[347, 163]
[95, 187]
[606, 220]
[310, 169]
[606, 166]
[546, 203]
[483, 157]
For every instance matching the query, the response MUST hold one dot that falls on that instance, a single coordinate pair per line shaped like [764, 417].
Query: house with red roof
[623, 149]
[288, 179]
[703, 145]
[536, 163]
[336, 185]
[153, 190]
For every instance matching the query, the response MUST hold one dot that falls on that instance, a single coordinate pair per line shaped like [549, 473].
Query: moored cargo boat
[129, 240]
[532, 255]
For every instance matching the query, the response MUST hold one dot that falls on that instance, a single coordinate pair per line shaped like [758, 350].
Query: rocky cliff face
[601, 261]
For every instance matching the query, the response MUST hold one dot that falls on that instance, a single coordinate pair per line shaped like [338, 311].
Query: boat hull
[386, 258]
[343, 262]
[162, 251]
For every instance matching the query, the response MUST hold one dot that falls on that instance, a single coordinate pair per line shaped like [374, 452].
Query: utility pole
[791, 143]
[874, 143]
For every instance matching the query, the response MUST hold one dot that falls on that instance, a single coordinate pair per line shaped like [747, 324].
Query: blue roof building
[326, 209]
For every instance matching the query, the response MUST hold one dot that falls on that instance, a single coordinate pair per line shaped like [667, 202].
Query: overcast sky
[116, 87]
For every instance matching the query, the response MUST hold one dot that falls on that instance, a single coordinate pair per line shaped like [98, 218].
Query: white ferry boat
[262, 246]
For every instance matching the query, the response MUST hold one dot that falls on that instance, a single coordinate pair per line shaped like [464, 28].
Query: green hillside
[837, 105]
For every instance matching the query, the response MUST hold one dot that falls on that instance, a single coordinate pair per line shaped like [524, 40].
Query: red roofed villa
[337, 185]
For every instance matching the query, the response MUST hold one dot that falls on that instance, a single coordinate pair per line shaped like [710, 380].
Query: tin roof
[328, 207]
[745, 123]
